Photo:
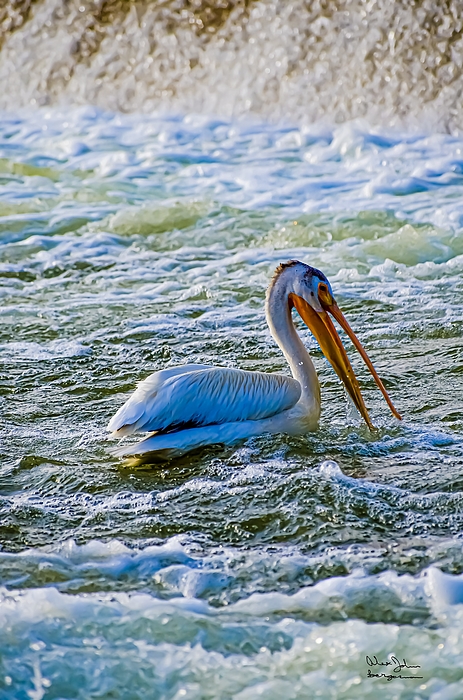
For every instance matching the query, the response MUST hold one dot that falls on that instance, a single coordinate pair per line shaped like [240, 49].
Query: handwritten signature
[396, 670]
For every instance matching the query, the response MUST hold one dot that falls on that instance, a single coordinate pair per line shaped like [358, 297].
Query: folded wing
[199, 395]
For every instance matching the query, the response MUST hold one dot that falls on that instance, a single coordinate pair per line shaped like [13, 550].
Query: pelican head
[310, 293]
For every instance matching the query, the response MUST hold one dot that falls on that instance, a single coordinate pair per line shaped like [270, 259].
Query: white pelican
[194, 405]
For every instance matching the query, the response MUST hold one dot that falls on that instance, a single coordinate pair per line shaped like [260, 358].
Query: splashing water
[272, 569]
[390, 62]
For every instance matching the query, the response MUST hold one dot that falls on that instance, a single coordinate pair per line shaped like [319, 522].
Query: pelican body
[190, 406]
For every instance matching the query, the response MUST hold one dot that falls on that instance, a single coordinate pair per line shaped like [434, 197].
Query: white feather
[200, 395]
[167, 445]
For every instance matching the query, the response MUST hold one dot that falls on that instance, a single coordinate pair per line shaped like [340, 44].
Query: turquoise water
[270, 569]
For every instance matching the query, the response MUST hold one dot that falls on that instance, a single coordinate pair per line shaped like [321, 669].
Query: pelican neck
[279, 320]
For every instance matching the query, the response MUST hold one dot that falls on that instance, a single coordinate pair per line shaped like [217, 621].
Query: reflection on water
[132, 243]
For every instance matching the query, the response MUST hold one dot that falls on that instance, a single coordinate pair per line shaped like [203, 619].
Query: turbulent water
[273, 568]
[391, 61]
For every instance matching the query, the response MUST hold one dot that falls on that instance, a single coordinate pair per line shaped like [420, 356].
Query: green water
[132, 244]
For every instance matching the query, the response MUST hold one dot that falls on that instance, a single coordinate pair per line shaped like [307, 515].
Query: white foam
[55, 349]
[445, 589]
[276, 60]
[230, 649]
[178, 572]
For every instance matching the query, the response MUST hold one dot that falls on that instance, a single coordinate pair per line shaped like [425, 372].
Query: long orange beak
[331, 345]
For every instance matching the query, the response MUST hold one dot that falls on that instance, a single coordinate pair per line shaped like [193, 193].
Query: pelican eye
[324, 294]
